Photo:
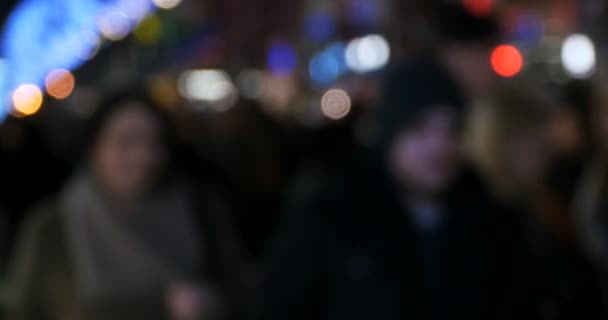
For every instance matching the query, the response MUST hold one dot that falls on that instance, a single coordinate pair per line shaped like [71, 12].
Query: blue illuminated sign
[41, 35]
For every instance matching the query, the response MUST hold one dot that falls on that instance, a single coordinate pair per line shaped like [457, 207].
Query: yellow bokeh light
[149, 30]
[167, 4]
[27, 100]
[335, 104]
[60, 83]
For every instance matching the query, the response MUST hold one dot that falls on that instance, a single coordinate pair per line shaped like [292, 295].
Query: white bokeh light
[210, 86]
[367, 54]
[167, 4]
[114, 24]
[135, 9]
[578, 56]
[335, 104]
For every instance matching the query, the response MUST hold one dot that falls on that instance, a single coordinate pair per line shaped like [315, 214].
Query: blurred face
[426, 158]
[129, 152]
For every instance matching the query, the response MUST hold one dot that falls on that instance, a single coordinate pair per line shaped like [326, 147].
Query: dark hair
[455, 25]
[409, 93]
[115, 102]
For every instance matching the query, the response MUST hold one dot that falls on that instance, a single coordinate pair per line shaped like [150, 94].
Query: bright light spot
[578, 56]
[281, 59]
[149, 30]
[506, 60]
[367, 54]
[326, 66]
[167, 4]
[3, 87]
[114, 24]
[60, 83]
[478, 7]
[251, 83]
[87, 44]
[135, 9]
[335, 104]
[211, 86]
[27, 100]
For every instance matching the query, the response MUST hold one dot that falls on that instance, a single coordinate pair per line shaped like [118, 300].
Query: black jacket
[351, 252]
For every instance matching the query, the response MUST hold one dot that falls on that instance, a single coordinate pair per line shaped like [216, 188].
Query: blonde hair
[492, 125]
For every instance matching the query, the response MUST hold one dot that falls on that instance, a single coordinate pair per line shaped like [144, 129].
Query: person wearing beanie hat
[402, 232]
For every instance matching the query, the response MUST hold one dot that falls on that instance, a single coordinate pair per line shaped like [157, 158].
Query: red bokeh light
[478, 7]
[506, 60]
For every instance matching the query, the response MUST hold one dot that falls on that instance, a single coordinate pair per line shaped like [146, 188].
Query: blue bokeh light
[328, 65]
[320, 26]
[364, 12]
[282, 59]
[528, 30]
[41, 35]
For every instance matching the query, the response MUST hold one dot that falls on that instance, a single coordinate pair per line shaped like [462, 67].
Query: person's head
[127, 144]
[419, 122]
[512, 145]
[464, 43]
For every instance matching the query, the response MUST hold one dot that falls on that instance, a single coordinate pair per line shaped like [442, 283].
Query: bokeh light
[367, 54]
[213, 87]
[578, 56]
[167, 4]
[135, 9]
[3, 86]
[149, 31]
[282, 58]
[335, 104]
[478, 7]
[27, 100]
[506, 60]
[60, 83]
[527, 29]
[320, 26]
[364, 12]
[326, 66]
[278, 94]
[164, 91]
[114, 24]
[87, 44]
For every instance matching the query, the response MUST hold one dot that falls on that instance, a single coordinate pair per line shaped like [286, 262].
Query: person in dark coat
[125, 238]
[404, 232]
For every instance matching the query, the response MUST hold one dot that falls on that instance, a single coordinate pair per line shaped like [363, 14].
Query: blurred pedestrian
[403, 232]
[460, 43]
[514, 153]
[125, 238]
[590, 203]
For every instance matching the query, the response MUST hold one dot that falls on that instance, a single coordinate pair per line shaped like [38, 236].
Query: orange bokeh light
[478, 7]
[60, 83]
[27, 100]
[506, 60]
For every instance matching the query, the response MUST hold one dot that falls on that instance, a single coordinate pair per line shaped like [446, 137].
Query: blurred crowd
[452, 183]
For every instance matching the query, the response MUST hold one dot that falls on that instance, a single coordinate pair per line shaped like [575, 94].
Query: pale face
[427, 158]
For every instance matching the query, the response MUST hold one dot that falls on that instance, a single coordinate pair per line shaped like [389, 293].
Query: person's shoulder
[42, 220]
